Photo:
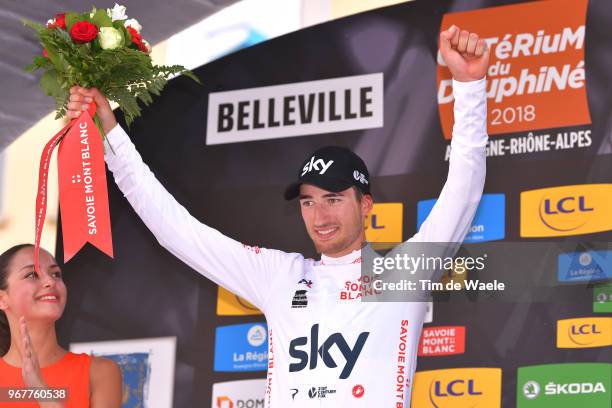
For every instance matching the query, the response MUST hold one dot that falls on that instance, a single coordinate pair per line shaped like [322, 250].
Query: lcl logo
[566, 210]
[550, 209]
[455, 388]
[584, 329]
[566, 205]
[374, 223]
[584, 332]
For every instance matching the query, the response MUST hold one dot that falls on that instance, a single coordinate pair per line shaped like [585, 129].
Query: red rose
[137, 39]
[142, 47]
[83, 32]
[60, 20]
[45, 53]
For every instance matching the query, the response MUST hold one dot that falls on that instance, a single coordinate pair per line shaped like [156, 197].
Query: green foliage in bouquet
[116, 61]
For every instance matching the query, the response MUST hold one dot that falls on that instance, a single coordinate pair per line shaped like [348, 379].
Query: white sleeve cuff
[470, 113]
[114, 139]
[471, 87]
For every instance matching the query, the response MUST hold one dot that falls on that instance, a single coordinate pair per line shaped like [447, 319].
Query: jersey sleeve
[246, 271]
[451, 216]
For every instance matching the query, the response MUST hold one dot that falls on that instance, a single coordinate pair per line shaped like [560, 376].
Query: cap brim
[292, 191]
[326, 183]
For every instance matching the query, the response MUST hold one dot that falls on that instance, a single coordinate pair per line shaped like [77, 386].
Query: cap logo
[318, 165]
[360, 177]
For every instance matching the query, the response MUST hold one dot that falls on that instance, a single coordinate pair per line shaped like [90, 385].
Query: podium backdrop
[373, 82]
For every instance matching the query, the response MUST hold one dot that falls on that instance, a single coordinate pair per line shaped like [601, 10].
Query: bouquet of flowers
[102, 49]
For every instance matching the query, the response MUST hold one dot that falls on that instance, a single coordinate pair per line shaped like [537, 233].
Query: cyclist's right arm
[246, 271]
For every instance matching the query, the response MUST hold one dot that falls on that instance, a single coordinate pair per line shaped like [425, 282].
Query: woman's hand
[30, 369]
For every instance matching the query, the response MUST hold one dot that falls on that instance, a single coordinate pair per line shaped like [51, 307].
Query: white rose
[132, 22]
[110, 38]
[50, 22]
[117, 12]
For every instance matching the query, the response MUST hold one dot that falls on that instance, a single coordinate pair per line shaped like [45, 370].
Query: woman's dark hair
[5, 259]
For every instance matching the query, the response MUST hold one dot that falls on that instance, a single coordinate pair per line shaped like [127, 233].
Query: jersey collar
[353, 257]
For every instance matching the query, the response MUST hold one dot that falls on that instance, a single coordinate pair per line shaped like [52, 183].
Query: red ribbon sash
[83, 193]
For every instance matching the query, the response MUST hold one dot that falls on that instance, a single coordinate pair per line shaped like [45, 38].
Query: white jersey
[327, 348]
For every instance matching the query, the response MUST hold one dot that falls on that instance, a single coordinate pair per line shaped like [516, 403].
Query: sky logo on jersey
[564, 386]
[229, 304]
[489, 223]
[457, 388]
[334, 352]
[585, 332]
[442, 341]
[385, 223]
[241, 347]
[602, 298]
[586, 266]
[566, 210]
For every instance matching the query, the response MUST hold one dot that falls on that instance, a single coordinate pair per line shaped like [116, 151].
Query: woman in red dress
[30, 304]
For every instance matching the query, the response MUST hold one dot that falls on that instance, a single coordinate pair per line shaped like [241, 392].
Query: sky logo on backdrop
[241, 347]
[585, 266]
[489, 223]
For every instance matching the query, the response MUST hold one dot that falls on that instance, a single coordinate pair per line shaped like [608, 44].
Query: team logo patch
[300, 298]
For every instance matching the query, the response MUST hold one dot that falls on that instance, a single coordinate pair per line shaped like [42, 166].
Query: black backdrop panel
[237, 188]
